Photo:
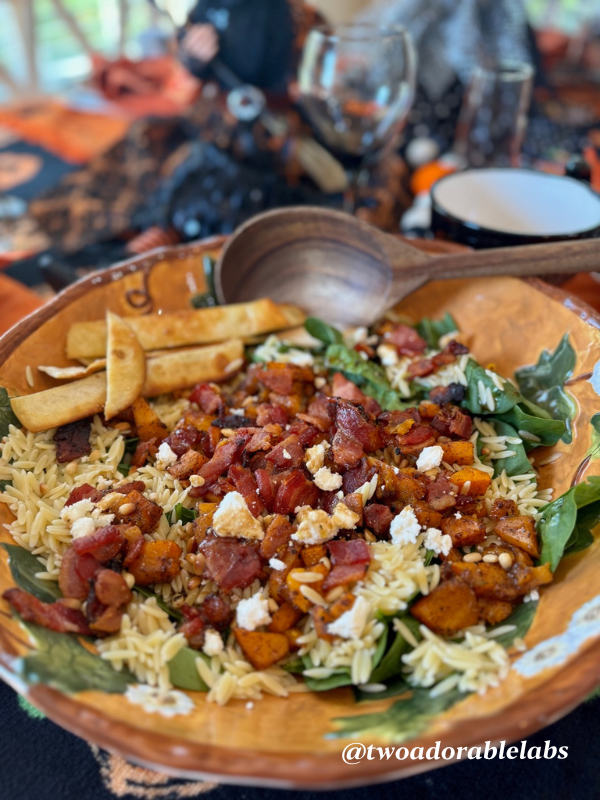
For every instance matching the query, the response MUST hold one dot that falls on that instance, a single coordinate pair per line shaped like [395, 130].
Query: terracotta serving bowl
[295, 742]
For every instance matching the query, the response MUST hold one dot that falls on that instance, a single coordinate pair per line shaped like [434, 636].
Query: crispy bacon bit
[189, 464]
[425, 366]
[289, 454]
[378, 518]
[271, 414]
[355, 423]
[83, 492]
[452, 422]
[76, 572]
[131, 486]
[73, 440]
[343, 575]
[183, 439]
[295, 490]
[307, 434]
[266, 489]
[390, 420]
[232, 421]
[346, 451]
[277, 536]
[453, 393]
[217, 612]
[225, 455]
[193, 630]
[440, 494]
[111, 589]
[282, 379]
[144, 452]
[55, 616]
[104, 544]
[146, 514]
[342, 387]
[406, 340]
[103, 620]
[354, 551]
[418, 437]
[261, 440]
[358, 476]
[244, 482]
[208, 398]
[232, 563]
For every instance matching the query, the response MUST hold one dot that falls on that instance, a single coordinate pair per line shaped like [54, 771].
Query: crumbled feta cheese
[437, 541]
[430, 457]
[253, 612]
[82, 527]
[71, 514]
[213, 643]
[368, 489]
[315, 457]
[405, 527]
[237, 412]
[343, 517]
[352, 336]
[285, 453]
[458, 515]
[387, 355]
[197, 480]
[165, 457]
[327, 480]
[276, 563]
[316, 526]
[352, 623]
[272, 350]
[320, 382]
[234, 518]
[532, 597]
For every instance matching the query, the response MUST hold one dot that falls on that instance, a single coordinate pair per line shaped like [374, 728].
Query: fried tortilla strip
[83, 398]
[61, 404]
[187, 367]
[201, 326]
[71, 373]
[125, 366]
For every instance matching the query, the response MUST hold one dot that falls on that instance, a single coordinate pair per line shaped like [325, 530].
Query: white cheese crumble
[430, 457]
[165, 457]
[327, 480]
[197, 480]
[315, 457]
[213, 643]
[285, 453]
[320, 382]
[437, 541]
[253, 612]
[405, 527]
[387, 355]
[234, 518]
[352, 622]
[71, 514]
[276, 563]
[316, 526]
[83, 527]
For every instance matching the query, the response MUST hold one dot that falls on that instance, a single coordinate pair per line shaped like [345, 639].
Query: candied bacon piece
[261, 440]
[73, 440]
[346, 451]
[111, 589]
[420, 368]
[282, 379]
[212, 492]
[307, 434]
[144, 452]
[295, 490]
[266, 488]
[277, 537]
[76, 571]
[83, 492]
[244, 482]
[184, 438]
[210, 440]
[390, 420]
[418, 437]
[441, 494]
[226, 454]
[187, 465]
[378, 518]
[453, 393]
[208, 398]
[102, 619]
[343, 575]
[358, 476]
[217, 612]
[354, 421]
[193, 630]
[318, 409]
[104, 544]
[271, 414]
[232, 563]
[405, 340]
[130, 486]
[288, 454]
[354, 551]
[232, 421]
[55, 616]
[451, 421]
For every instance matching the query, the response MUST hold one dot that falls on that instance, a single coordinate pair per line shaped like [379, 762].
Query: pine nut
[198, 564]
[95, 455]
[334, 594]
[126, 509]
[193, 583]
[472, 557]
[129, 579]
[71, 468]
[506, 560]
[491, 558]
[43, 488]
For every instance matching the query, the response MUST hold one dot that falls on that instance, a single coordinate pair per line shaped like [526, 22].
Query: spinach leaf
[560, 517]
[335, 681]
[322, 331]
[369, 376]
[183, 671]
[514, 465]
[522, 617]
[4, 484]
[7, 415]
[433, 329]
[391, 664]
[174, 613]
[594, 451]
[23, 566]
[504, 399]
[181, 514]
[131, 444]
[547, 431]
[124, 468]
[543, 384]
[394, 687]
[62, 662]
[295, 666]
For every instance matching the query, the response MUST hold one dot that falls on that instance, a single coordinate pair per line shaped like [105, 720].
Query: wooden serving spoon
[335, 266]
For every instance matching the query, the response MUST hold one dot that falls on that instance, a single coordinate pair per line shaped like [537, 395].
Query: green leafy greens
[181, 514]
[433, 329]
[183, 672]
[7, 415]
[23, 567]
[561, 527]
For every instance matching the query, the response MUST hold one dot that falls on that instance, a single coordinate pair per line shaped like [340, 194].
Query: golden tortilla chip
[61, 404]
[200, 326]
[183, 368]
[71, 373]
[125, 366]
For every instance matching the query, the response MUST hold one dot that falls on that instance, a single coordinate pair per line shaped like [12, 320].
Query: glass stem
[358, 178]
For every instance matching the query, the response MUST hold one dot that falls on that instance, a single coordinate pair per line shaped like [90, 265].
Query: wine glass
[356, 86]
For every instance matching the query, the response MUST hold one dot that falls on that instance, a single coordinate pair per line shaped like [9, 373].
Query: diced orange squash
[293, 634]
[429, 410]
[410, 485]
[449, 608]
[402, 428]
[198, 419]
[158, 562]
[292, 560]
[313, 554]
[262, 649]
[145, 514]
[453, 555]
[464, 532]
[529, 578]
[292, 591]
[459, 453]
[494, 611]
[519, 556]
[520, 532]
[477, 480]
[284, 618]
[147, 422]
[486, 580]
[323, 616]
[503, 508]
[426, 517]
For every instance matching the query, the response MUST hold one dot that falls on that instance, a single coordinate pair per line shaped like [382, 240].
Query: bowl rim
[181, 758]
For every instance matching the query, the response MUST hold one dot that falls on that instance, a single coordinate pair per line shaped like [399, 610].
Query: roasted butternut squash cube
[284, 618]
[520, 532]
[502, 507]
[293, 634]
[198, 419]
[494, 611]
[262, 649]
[449, 608]
[313, 554]
[291, 559]
[292, 591]
[147, 422]
[189, 464]
[140, 511]
[476, 481]
[464, 532]
[158, 562]
[427, 517]
[410, 485]
[462, 453]
[323, 616]
[486, 580]
[429, 410]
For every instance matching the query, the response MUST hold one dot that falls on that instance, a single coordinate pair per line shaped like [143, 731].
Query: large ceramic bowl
[295, 742]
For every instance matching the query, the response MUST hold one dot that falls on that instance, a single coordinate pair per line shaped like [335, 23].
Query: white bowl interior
[519, 201]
